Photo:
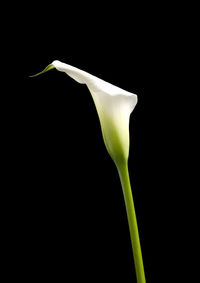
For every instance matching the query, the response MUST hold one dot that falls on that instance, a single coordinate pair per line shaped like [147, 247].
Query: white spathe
[114, 106]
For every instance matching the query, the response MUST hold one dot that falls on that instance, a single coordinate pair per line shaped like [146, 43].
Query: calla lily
[114, 106]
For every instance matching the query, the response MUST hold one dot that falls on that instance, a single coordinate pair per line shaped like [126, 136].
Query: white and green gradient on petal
[114, 106]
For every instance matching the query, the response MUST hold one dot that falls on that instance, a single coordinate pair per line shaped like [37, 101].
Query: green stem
[132, 221]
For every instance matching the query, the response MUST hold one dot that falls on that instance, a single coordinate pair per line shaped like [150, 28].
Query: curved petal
[114, 106]
[94, 83]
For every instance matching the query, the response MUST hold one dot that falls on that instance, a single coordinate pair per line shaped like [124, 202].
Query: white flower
[114, 106]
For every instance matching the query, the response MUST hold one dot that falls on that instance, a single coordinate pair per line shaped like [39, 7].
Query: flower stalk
[132, 221]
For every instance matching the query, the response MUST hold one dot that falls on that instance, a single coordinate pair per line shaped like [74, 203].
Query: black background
[65, 215]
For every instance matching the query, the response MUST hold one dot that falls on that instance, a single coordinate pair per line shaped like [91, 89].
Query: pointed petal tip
[48, 68]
